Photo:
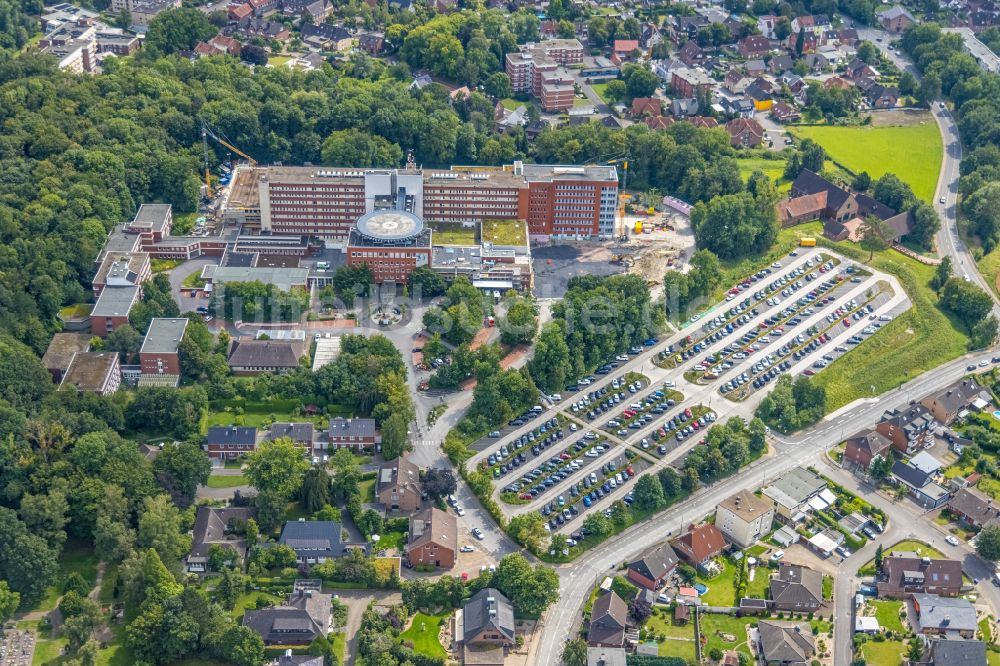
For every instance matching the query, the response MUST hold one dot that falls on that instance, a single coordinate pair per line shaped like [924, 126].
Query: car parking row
[642, 411]
[600, 400]
[570, 460]
[587, 492]
[513, 454]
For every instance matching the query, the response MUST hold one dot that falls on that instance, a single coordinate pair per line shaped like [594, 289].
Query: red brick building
[158, 357]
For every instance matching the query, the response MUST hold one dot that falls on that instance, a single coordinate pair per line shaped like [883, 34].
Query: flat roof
[281, 277]
[548, 172]
[88, 371]
[119, 265]
[421, 240]
[164, 335]
[62, 347]
[327, 350]
[115, 301]
[389, 225]
[152, 215]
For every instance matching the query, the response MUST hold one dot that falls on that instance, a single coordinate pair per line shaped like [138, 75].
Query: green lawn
[911, 152]
[679, 638]
[248, 601]
[423, 633]
[887, 614]
[227, 481]
[162, 265]
[773, 169]
[916, 546]
[366, 489]
[985, 630]
[602, 91]
[339, 640]
[722, 589]
[989, 266]
[505, 232]
[389, 540]
[919, 340]
[511, 104]
[712, 625]
[77, 558]
[277, 61]
[827, 588]
[258, 420]
[992, 658]
[886, 653]
[76, 310]
[445, 233]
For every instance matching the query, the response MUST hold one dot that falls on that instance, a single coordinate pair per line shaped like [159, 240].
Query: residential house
[904, 574]
[301, 433]
[910, 429]
[702, 121]
[784, 113]
[863, 447]
[882, 97]
[608, 620]
[398, 486]
[744, 518]
[745, 132]
[691, 83]
[93, 372]
[601, 656]
[351, 433]
[216, 525]
[487, 620]
[305, 615]
[327, 37]
[700, 544]
[950, 403]
[683, 107]
[845, 210]
[895, 19]
[315, 541]
[973, 507]
[918, 480]
[269, 30]
[659, 122]
[691, 54]
[159, 356]
[225, 442]
[767, 24]
[793, 82]
[433, 538]
[252, 357]
[646, 106]
[651, 570]
[741, 108]
[836, 82]
[240, 12]
[945, 652]
[755, 68]
[780, 63]
[61, 350]
[792, 491]
[785, 643]
[796, 588]
[736, 81]
[815, 25]
[945, 616]
[801, 209]
[289, 659]
[858, 69]
[754, 46]
[371, 42]
[623, 51]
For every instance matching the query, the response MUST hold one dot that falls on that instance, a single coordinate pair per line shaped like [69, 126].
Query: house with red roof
[700, 544]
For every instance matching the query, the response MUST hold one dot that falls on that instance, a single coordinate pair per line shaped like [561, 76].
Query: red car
[687, 412]
[630, 471]
[564, 456]
[847, 323]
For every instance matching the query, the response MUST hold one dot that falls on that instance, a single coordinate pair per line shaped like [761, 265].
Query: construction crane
[206, 131]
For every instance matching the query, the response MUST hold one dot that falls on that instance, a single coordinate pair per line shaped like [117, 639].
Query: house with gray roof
[944, 652]
[252, 357]
[973, 507]
[301, 433]
[230, 441]
[951, 402]
[315, 541]
[608, 620]
[351, 433]
[216, 525]
[785, 643]
[651, 569]
[797, 588]
[945, 616]
[792, 491]
[112, 309]
[488, 620]
[305, 615]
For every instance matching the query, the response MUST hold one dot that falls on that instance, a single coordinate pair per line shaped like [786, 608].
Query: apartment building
[527, 66]
[121, 269]
[159, 359]
[93, 372]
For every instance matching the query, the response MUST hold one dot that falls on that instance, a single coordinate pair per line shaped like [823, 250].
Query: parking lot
[788, 318]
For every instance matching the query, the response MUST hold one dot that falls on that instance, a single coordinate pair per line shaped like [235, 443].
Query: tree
[180, 469]
[253, 54]
[878, 558]
[315, 492]
[80, 627]
[925, 224]
[125, 340]
[497, 85]
[394, 437]
[915, 650]
[45, 516]
[930, 88]
[908, 84]
[813, 155]
[178, 30]
[734, 226]
[893, 192]
[520, 323]
[862, 182]
[641, 82]
[875, 235]
[529, 529]
[988, 543]
[27, 562]
[346, 475]
[229, 589]
[597, 524]
[439, 482]
[615, 90]
[354, 147]
[648, 493]
[531, 589]
[970, 303]
[575, 652]
[276, 466]
[880, 468]
[941, 273]
[163, 632]
[243, 646]
[160, 529]
[868, 53]
[550, 366]
[425, 282]
[984, 333]
[9, 601]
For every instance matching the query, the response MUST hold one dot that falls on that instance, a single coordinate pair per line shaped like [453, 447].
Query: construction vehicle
[638, 226]
[621, 260]
[207, 131]
[807, 242]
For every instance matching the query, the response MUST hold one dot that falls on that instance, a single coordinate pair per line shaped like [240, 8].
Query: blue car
[586, 502]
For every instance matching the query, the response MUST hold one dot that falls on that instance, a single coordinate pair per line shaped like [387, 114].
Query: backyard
[714, 627]
[226, 481]
[678, 638]
[423, 634]
[887, 614]
[722, 588]
[885, 653]
[911, 150]
[773, 169]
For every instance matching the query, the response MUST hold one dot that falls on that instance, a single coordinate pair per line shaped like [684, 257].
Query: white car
[459, 510]
[777, 555]
[951, 539]
[466, 549]
[941, 200]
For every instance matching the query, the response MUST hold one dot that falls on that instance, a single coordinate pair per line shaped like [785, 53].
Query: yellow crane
[206, 131]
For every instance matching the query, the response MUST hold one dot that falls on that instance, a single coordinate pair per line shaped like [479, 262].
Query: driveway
[357, 601]
[181, 273]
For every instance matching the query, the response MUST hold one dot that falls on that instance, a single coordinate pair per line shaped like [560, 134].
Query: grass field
[505, 232]
[423, 633]
[227, 481]
[922, 338]
[773, 169]
[162, 265]
[602, 91]
[248, 601]
[992, 658]
[887, 614]
[911, 152]
[989, 266]
[722, 589]
[511, 104]
[339, 640]
[679, 638]
[886, 653]
[76, 310]
[453, 234]
[74, 558]
[712, 625]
